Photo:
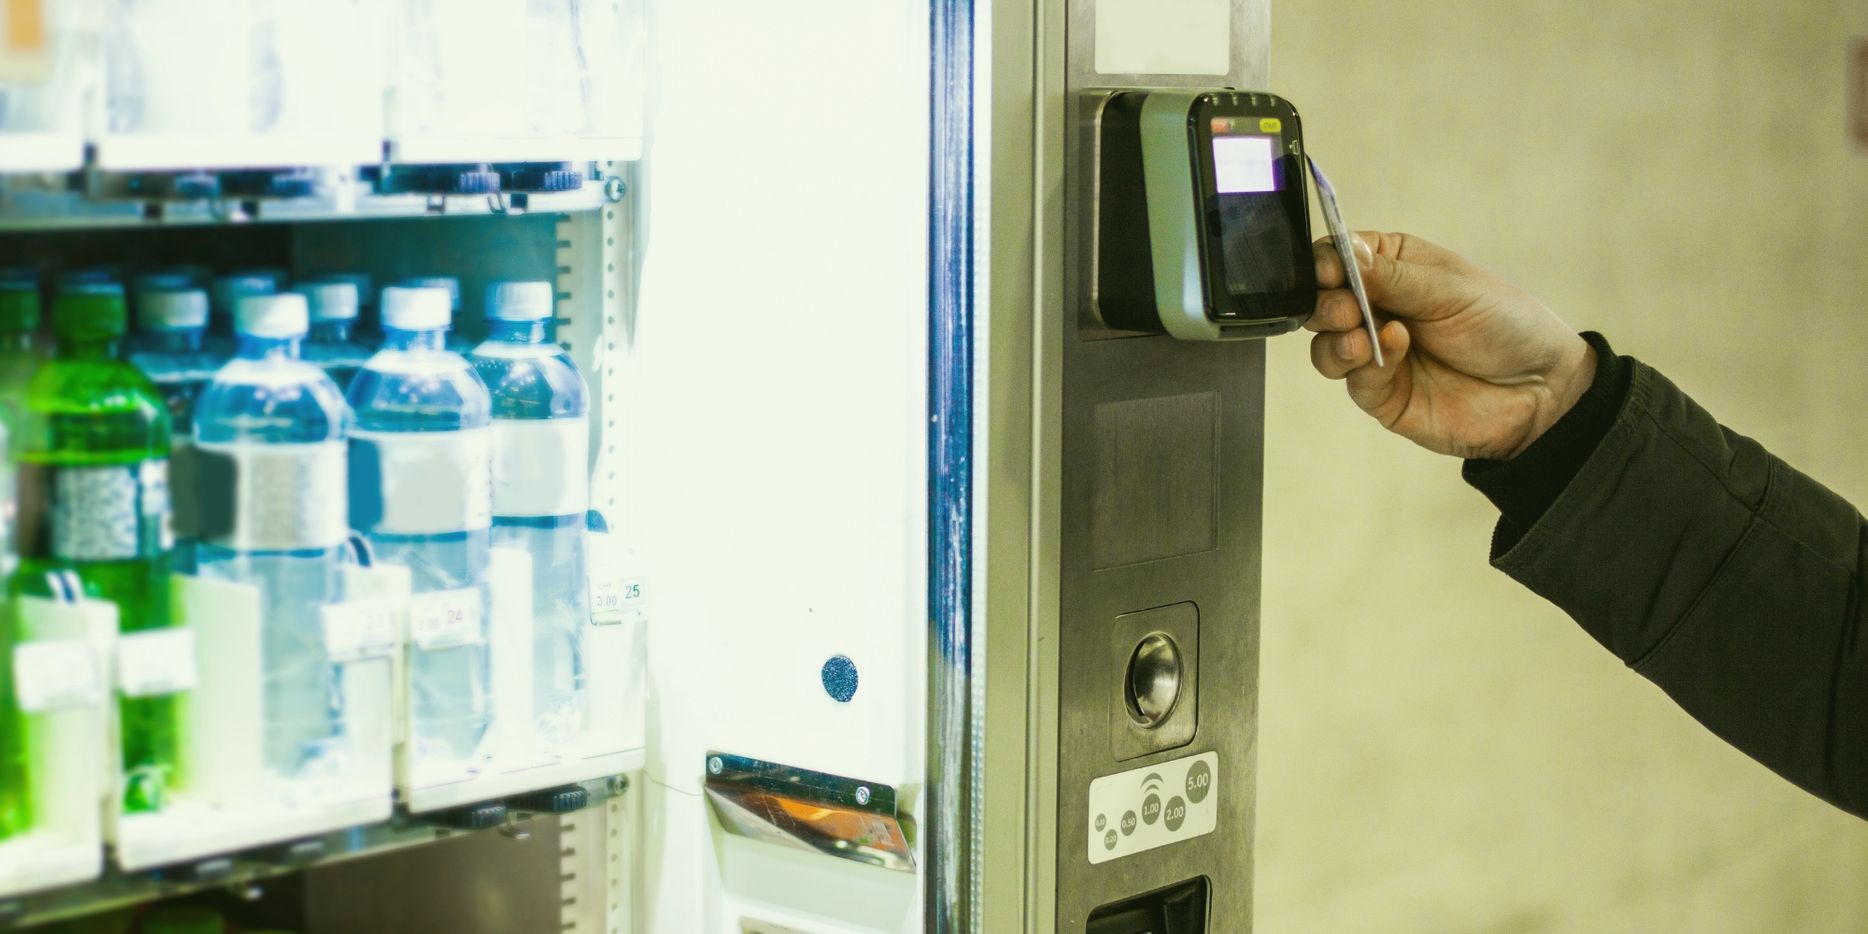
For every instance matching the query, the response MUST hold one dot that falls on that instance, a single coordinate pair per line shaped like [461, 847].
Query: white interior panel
[774, 401]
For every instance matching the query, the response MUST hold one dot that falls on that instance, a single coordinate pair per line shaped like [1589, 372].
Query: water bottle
[171, 332]
[169, 349]
[420, 490]
[368, 330]
[165, 280]
[228, 291]
[332, 346]
[541, 490]
[270, 439]
[456, 341]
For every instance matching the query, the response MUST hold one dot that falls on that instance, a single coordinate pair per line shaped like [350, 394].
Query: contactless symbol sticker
[1158, 804]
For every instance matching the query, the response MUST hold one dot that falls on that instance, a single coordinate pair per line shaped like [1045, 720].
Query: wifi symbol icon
[1151, 783]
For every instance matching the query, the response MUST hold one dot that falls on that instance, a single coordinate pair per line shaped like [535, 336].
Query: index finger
[1330, 274]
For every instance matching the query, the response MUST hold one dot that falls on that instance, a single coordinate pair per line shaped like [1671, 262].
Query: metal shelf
[52, 202]
[237, 871]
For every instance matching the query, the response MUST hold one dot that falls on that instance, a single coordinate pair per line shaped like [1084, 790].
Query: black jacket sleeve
[1709, 566]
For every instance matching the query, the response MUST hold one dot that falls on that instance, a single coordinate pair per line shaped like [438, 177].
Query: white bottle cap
[519, 301]
[415, 309]
[229, 290]
[449, 283]
[359, 280]
[275, 316]
[329, 301]
[172, 310]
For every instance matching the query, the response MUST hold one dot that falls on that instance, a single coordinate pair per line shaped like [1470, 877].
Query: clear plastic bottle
[456, 341]
[270, 435]
[541, 491]
[420, 489]
[332, 344]
[170, 349]
[368, 330]
[228, 291]
[144, 283]
[97, 445]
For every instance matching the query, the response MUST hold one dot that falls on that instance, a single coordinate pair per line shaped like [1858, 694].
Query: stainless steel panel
[1128, 545]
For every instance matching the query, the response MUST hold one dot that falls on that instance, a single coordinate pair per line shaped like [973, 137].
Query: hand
[1475, 368]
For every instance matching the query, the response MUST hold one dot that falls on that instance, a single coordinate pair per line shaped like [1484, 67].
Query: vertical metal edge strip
[949, 828]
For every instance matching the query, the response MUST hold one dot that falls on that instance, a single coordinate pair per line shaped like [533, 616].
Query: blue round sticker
[840, 678]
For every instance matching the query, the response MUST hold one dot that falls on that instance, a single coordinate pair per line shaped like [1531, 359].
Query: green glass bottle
[94, 501]
[19, 318]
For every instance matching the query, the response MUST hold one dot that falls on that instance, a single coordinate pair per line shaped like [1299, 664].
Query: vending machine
[636, 465]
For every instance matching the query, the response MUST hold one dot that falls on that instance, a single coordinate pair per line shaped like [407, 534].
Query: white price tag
[366, 627]
[446, 618]
[55, 673]
[617, 595]
[157, 662]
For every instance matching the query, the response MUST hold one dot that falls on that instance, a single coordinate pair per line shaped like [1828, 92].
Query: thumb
[1376, 388]
[1406, 289]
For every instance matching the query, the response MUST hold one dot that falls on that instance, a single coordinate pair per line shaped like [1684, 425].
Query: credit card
[1345, 247]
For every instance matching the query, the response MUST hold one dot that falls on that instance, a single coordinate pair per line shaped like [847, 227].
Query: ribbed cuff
[1524, 487]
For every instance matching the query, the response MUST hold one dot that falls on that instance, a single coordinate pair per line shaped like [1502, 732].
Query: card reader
[1203, 215]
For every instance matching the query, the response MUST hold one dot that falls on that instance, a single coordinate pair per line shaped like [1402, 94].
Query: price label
[157, 662]
[362, 628]
[55, 674]
[616, 594]
[443, 619]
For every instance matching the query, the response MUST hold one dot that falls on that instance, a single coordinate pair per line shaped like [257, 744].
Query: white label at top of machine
[283, 496]
[52, 674]
[421, 482]
[541, 466]
[1153, 806]
[1164, 37]
[156, 662]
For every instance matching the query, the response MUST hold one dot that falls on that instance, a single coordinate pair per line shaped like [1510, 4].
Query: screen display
[1244, 164]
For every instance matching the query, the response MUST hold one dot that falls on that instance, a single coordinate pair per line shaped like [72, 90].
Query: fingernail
[1365, 257]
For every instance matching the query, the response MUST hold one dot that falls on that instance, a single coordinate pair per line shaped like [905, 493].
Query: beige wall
[1440, 751]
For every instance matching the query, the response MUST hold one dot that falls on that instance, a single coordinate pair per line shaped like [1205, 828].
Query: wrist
[1566, 383]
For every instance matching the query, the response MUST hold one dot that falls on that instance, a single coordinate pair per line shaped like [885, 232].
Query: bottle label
[441, 619]
[421, 482]
[541, 467]
[272, 497]
[53, 674]
[107, 513]
[156, 662]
